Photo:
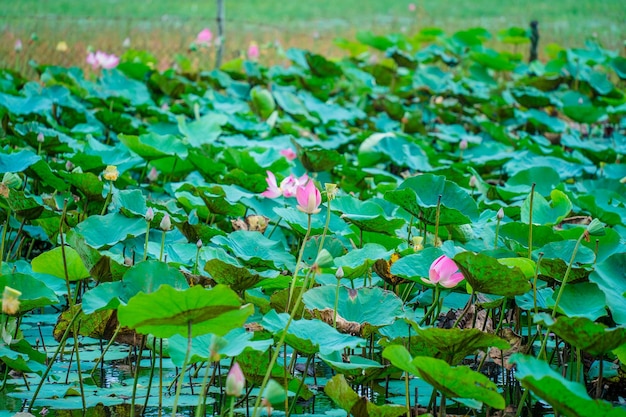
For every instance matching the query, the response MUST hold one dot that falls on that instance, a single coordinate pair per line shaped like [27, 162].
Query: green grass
[166, 26]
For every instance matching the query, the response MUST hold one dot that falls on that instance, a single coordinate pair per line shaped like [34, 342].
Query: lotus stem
[280, 343]
[433, 306]
[326, 224]
[294, 277]
[162, 246]
[203, 390]
[152, 366]
[437, 221]
[145, 246]
[137, 367]
[407, 394]
[54, 356]
[530, 221]
[4, 237]
[179, 385]
[107, 200]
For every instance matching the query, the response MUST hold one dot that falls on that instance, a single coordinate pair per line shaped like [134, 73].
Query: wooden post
[534, 41]
[221, 37]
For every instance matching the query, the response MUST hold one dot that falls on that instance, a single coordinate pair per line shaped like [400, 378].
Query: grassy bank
[166, 30]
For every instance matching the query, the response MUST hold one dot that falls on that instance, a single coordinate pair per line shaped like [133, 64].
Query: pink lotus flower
[444, 272]
[289, 153]
[412, 7]
[272, 187]
[287, 188]
[309, 198]
[291, 184]
[204, 37]
[253, 51]
[18, 46]
[102, 60]
[235, 381]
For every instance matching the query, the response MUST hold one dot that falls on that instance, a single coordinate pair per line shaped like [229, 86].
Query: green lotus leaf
[310, 336]
[485, 274]
[60, 260]
[35, 293]
[419, 196]
[342, 394]
[566, 397]
[168, 311]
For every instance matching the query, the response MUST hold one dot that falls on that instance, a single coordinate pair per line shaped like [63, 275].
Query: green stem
[162, 246]
[321, 246]
[294, 277]
[433, 306]
[279, 345]
[336, 304]
[203, 391]
[530, 222]
[137, 367]
[107, 200]
[4, 237]
[152, 366]
[567, 272]
[52, 360]
[407, 394]
[179, 386]
[437, 221]
[495, 241]
[145, 246]
[408, 239]
[232, 407]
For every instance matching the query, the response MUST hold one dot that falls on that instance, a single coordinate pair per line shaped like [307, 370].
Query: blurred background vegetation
[166, 28]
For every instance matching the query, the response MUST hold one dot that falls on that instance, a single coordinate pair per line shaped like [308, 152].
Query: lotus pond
[426, 226]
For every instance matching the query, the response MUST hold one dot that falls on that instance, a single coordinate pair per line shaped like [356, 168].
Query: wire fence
[62, 40]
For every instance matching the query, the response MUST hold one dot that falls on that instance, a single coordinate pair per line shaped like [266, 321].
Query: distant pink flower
[288, 153]
[443, 271]
[153, 175]
[253, 51]
[412, 7]
[309, 198]
[102, 60]
[18, 46]
[204, 37]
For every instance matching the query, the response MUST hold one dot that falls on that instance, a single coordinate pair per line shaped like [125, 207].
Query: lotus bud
[12, 180]
[10, 301]
[166, 223]
[339, 273]
[331, 190]
[69, 166]
[41, 138]
[500, 214]
[126, 43]
[472, 181]
[128, 261]
[199, 243]
[463, 145]
[149, 214]
[235, 381]
[18, 46]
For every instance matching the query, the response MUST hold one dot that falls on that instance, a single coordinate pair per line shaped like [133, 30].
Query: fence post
[221, 37]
